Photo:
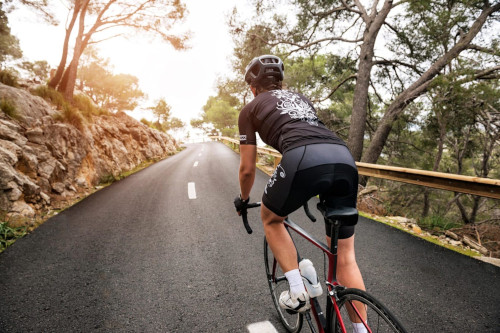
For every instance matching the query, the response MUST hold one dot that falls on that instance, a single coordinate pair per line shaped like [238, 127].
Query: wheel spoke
[292, 322]
[359, 307]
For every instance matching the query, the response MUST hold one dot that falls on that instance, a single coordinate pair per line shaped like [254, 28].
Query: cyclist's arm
[248, 151]
[248, 156]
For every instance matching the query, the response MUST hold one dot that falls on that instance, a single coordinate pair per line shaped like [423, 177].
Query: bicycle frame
[331, 282]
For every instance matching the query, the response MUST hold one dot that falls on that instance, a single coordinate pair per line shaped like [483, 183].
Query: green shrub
[9, 78]
[8, 107]
[87, 107]
[437, 222]
[71, 116]
[50, 95]
[107, 179]
[9, 235]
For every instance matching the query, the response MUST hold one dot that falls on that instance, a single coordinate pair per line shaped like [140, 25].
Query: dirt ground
[486, 234]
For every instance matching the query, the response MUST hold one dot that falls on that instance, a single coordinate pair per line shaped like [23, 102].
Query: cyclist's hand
[240, 204]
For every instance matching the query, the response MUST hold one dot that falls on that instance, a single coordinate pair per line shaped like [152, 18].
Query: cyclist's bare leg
[348, 273]
[279, 240]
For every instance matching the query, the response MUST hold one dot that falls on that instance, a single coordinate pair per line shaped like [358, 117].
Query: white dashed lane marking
[195, 164]
[191, 191]
[261, 327]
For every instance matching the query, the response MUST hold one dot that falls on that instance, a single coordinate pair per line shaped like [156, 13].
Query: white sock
[295, 281]
[358, 328]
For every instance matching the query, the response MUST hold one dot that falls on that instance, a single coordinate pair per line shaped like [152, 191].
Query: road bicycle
[343, 305]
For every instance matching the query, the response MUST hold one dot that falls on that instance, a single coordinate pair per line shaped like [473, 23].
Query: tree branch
[104, 39]
[373, 11]
[301, 47]
[333, 10]
[397, 62]
[483, 49]
[362, 11]
[377, 94]
[352, 76]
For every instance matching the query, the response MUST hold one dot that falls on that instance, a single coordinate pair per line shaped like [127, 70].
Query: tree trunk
[437, 161]
[360, 100]
[419, 87]
[70, 75]
[62, 64]
[68, 81]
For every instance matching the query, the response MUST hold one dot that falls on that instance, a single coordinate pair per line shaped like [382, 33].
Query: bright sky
[185, 79]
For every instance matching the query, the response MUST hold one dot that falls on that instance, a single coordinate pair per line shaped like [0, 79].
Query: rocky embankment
[44, 162]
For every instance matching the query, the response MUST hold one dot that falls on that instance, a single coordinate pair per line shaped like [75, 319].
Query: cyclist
[315, 161]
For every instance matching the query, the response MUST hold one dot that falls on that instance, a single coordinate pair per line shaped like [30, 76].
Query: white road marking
[191, 191]
[195, 164]
[262, 327]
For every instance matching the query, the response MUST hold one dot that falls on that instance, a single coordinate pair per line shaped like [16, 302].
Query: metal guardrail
[485, 187]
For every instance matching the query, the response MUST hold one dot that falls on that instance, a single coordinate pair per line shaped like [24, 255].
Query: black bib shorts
[323, 169]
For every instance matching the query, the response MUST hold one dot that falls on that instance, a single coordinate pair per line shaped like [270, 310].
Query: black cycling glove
[240, 204]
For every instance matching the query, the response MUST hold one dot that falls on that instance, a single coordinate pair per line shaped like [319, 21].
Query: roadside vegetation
[9, 235]
[8, 107]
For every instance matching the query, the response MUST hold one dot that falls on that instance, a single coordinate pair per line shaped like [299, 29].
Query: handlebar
[244, 216]
[257, 204]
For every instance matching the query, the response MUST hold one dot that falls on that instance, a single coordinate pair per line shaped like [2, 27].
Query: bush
[437, 222]
[9, 78]
[8, 107]
[87, 107]
[71, 116]
[51, 95]
[9, 235]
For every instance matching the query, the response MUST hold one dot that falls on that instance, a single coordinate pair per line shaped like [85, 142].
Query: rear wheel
[363, 308]
[277, 284]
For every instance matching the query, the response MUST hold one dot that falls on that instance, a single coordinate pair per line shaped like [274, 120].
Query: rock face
[43, 161]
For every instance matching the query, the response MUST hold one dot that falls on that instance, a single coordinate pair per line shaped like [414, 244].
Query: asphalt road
[142, 256]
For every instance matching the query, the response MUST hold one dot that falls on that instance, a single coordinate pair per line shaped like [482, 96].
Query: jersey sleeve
[246, 128]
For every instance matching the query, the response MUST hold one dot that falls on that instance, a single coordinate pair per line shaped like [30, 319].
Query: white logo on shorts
[243, 138]
[274, 177]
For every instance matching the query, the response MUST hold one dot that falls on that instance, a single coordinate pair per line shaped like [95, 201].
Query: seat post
[334, 240]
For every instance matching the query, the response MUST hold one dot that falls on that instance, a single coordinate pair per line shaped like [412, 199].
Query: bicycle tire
[292, 322]
[380, 319]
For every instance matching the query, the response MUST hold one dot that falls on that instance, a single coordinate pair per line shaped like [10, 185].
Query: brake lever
[308, 213]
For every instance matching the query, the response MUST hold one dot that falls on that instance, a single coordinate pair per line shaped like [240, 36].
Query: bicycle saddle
[347, 215]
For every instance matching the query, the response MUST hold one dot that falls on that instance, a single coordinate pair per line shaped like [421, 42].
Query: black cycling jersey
[315, 160]
[284, 120]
